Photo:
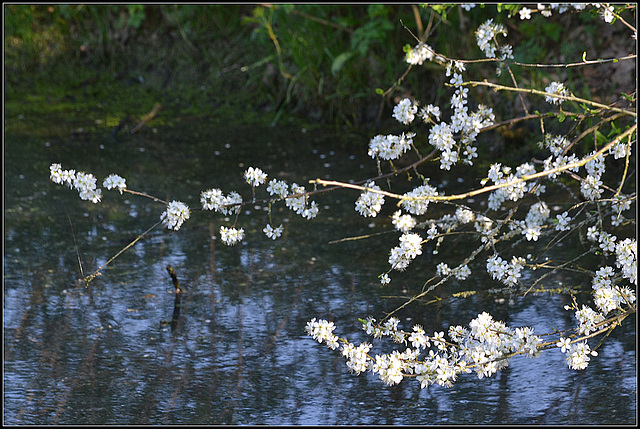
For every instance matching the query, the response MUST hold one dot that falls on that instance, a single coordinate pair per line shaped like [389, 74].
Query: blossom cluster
[621, 203]
[272, 232]
[405, 111]
[403, 222]
[417, 200]
[461, 272]
[531, 226]
[255, 177]
[322, 330]
[370, 203]
[114, 181]
[506, 272]
[485, 37]
[175, 214]
[562, 221]
[410, 247]
[300, 204]
[620, 150]
[627, 259]
[512, 187]
[420, 53]
[84, 183]
[231, 236]
[213, 199]
[626, 251]
[390, 147]
[591, 186]
[399, 259]
[577, 353]
[295, 199]
[453, 139]
[559, 161]
[485, 346]
[608, 296]
[555, 89]
[555, 143]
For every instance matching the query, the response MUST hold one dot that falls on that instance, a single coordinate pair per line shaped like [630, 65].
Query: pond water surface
[233, 349]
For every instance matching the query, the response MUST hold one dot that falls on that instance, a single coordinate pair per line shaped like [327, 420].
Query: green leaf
[584, 56]
[339, 62]
[288, 8]
[440, 9]
[379, 91]
[615, 131]
[258, 12]
[561, 116]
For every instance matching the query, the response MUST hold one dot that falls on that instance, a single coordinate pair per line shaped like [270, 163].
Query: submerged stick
[149, 116]
[174, 278]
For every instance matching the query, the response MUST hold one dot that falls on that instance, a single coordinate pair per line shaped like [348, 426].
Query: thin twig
[146, 195]
[76, 245]
[96, 272]
[538, 92]
[584, 61]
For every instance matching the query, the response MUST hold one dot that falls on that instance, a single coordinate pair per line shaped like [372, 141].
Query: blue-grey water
[233, 349]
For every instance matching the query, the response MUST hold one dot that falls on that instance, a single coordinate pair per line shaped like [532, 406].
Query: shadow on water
[231, 348]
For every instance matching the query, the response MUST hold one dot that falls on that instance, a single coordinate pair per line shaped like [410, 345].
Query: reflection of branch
[176, 303]
[176, 311]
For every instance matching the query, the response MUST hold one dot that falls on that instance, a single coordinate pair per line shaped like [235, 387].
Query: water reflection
[234, 351]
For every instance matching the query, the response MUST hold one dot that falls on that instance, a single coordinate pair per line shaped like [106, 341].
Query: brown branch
[142, 194]
[524, 178]
[535, 91]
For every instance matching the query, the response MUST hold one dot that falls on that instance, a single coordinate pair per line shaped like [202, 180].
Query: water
[233, 350]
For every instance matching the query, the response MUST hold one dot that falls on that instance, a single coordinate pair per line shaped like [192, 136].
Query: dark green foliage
[338, 64]
[320, 61]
